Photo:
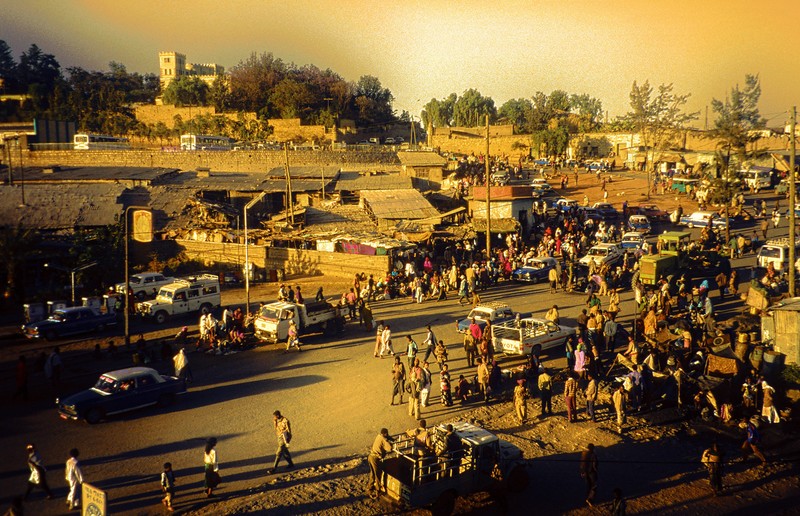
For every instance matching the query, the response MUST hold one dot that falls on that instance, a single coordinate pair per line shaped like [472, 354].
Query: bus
[84, 141]
[203, 142]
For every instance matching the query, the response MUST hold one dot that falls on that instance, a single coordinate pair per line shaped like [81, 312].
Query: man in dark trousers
[545, 391]
[283, 431]
[589, 472]
[381, 447]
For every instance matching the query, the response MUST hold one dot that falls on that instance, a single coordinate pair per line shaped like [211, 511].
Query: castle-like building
[173, 65]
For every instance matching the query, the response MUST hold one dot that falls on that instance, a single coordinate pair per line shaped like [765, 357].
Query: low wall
[294, 262]
[233, 161]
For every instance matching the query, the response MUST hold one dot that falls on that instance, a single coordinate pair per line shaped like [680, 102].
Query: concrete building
[172, 65]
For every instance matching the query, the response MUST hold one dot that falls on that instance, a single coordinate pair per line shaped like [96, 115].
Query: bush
[791, 375]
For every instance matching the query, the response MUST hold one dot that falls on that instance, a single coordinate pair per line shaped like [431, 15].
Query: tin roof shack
[350, 184]
[511, 207]
[129, 177]
[781, 325]
[388, 207]
[424, 165]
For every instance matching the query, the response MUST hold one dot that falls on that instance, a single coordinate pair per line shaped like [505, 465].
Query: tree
[518, 112]
[219, 95]
[252, 81]
[471, 109]
[373, 101]
[36, 67]
[659, 119]
[290, 97]
[439, 113]
[186, 90]
[589, 111]
[737, 118]
[8, 68]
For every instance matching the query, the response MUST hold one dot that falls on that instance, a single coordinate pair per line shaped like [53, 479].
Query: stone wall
[294, 262]
[234, 161]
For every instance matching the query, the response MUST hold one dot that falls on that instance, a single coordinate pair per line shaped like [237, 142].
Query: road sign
[143, 226]
[94, 501]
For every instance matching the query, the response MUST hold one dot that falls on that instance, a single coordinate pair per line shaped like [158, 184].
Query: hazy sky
[423, 50]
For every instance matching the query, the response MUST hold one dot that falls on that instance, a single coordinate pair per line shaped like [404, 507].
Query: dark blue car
[121, 391]
[534, 270]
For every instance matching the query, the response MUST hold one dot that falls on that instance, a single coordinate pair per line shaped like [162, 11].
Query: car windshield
[477, 314]
[166, 294]
[598, 251]
[770, 252]
[269, 313]
[106, 384]
[631, 238]
[135, 280]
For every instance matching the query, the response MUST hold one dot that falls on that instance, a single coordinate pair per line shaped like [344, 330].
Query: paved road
[334, 392]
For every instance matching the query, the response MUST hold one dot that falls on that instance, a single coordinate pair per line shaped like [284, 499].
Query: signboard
[94, 501]
[142, 226]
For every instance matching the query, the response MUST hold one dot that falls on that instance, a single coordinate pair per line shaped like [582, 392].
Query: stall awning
[499, 225]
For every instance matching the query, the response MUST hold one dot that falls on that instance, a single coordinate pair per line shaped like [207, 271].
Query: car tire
[445, 504]
[161, 317]
[205, 309]
[94, 416]
[690, 225]
[537, 349]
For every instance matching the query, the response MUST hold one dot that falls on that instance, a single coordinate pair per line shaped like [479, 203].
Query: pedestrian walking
[380, 448]
[292, 339]
[429, 343]
[445, 387]
[588, 470]
[52, 369]
[483, 379]
[38, 476]
[398, 379]
[425, 380]
[712, 460]
[619, 398]
[768, 409]
[521, 401]
[545, 384]
[386, 342]
[440, 352]
[463, 291]
[570, 391]
[411, 351]
[283, 430]
[168, 486]
[378, 340]
[74, 477]
[752, 441]
[591, 396]
[414, 389]
[182, 369]
[211, 467]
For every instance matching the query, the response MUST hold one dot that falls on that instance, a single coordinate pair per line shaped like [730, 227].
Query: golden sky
[423, 50]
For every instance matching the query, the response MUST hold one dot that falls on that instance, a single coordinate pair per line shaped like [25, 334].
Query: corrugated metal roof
[356, 182]
[306, 172]
[421, 159]
[399, 204]
[244, 182]
[63, 206]
[94, 174]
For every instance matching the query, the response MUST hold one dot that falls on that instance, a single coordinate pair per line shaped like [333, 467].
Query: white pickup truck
[529, 335]
[186, 295]
[272, 323]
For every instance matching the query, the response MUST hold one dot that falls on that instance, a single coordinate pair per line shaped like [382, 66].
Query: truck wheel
[518, 479]
[161, 317]
[444, 505]
[205, 309]
[94, 416]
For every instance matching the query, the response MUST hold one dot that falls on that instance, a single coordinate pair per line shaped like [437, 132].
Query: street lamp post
[72, 273]
[128, 295]
[246, 249]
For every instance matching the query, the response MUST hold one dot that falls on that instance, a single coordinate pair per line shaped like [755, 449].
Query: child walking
[168, 485]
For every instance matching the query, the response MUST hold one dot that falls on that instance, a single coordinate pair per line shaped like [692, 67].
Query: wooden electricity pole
[792, 198]
[488, 198]
[289, 203]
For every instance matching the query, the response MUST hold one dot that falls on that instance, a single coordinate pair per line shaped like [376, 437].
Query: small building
[424, 165]
[386, 208]
[781, 325]
[511, 207]
[173, 65]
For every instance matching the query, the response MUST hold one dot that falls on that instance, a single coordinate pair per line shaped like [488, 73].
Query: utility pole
[289, 203]
[792, 198]
[488, 198]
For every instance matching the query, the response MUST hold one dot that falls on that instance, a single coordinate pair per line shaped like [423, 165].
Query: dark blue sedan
[534, 270]
[121, 391]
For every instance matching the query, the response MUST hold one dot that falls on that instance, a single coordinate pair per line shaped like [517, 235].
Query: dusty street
[337, 397]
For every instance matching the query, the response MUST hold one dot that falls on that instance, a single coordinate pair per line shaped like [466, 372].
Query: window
[193, 293]
[145, 381]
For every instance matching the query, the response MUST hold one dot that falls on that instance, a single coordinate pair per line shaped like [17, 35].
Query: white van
[758, 178]
[776, 252]
[191, 294]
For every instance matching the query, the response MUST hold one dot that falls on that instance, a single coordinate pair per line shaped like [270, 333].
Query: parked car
[651, 211]
[501, 177]
[639, 224]
[602, 253]
[606, 209]
[69, 321]
[121, 391]
[700, 219]
[531, 336]
[389, 141]
[590, 213]
[563, 204]
[541, 184]
[534, 270]
[492, 312]
[145, 285]
[632, 241]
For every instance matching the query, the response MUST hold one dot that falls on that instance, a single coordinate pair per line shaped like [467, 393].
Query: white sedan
[602, 253]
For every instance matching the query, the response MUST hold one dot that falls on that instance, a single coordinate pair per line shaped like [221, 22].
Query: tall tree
[8, 68]
[252, 81]
[36, 67]
[373, 101]
[471, 108]
[186, 90]
[659, 118]
[518, 112]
